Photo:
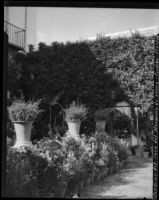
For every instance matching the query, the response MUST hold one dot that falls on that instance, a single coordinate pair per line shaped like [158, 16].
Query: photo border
[136, 5]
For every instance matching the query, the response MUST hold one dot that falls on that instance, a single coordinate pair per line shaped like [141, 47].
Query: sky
[49, 24]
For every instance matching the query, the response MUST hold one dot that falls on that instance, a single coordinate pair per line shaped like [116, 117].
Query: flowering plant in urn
[23, 114]
[20, 110]
[75, 112]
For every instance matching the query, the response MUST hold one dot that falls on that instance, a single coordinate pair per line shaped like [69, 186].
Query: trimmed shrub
[123, 153]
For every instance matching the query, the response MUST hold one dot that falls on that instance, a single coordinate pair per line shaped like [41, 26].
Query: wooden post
[25, 37]
[137, 127]
[4, 124]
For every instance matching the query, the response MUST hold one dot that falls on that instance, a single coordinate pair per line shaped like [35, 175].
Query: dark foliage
[85, 71]
[71, 68]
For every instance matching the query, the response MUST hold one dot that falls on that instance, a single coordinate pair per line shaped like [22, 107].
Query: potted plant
[97, 175]
[151, 148]
[99, 168]
[112, 161]
[88, 166]
[145, 151]
[74, 114]
[122, 154]
[23, 114]
[80, 185]
[104, 157]
[92, 176]
[138, 150]
[81, 173]
[100, 118]
[71, 166]
[61, 189]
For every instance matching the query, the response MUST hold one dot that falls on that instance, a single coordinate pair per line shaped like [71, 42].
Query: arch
[120, 113]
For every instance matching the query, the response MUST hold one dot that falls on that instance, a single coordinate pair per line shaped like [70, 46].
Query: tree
[82, 71]
[131, 62]
[71, 68]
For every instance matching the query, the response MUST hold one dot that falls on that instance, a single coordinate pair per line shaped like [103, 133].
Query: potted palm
[100, 118]
[23, 114]
[74, 114]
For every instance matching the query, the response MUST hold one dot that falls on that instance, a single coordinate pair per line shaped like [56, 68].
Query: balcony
[16, 36]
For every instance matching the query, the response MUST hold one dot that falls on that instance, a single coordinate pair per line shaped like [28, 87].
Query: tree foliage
[71, 68]
[131, 62]
[85, 71]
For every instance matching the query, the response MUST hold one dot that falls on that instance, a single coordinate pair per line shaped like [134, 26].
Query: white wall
[134, 141]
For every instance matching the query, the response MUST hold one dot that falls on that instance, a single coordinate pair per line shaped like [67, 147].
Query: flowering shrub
[35, 171]
[24, 111]
[100, 115]
[102, 137]
[119, 148]
[113, 159]
[123, 153]
[75, 112]
[38, 171]
[71, 166]
[24, 169]
[71, 144]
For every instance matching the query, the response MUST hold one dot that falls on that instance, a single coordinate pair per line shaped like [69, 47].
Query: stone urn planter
[87, 181]
[121, 163]
[97, 177]
[102, 176]
[23, 133]
[74, 128]
[138, 151]
[92, 177]
[106, 172]
[145, 154]
[75, 189]
[23, 114]
[61, 189]
[74, 114]
[100, 117]
[111, 170]
[100, 125]
[151, 148]
[80, 186]
[116, 168]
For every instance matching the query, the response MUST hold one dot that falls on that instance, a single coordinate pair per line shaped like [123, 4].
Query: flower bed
[57, 169]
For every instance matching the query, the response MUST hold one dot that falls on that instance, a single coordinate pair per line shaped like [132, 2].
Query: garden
[57, 168]
[64, 139]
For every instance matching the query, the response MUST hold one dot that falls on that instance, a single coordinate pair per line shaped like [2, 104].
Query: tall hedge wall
[131, 60]
[86, 71]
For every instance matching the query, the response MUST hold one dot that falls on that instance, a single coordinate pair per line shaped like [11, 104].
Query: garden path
[133, 181]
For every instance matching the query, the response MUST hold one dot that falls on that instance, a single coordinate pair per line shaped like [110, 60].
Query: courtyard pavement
[134, 181]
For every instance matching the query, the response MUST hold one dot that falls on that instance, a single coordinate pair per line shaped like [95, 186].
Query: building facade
[16, 34]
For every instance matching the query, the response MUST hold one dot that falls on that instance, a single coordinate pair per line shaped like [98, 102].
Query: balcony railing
[16, 35]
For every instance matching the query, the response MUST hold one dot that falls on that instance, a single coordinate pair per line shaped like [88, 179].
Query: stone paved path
[133, 181]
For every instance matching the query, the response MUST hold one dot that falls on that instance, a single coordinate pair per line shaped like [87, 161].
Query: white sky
[48, 24]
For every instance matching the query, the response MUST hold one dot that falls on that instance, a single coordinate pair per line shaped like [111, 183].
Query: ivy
[131, 61]
[86, 71]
